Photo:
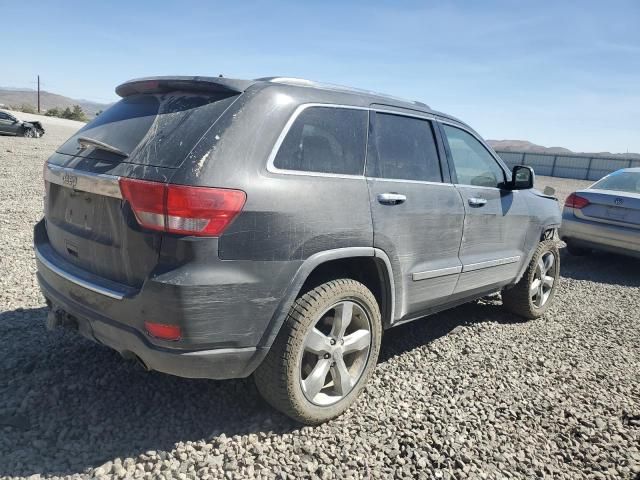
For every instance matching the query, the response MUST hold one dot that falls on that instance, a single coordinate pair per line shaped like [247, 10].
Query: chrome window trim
[470, 267]
[271, 168]
[440, 272]
[98, 183]
[77, 280]
[276, 147]
[479, 187]
[423, 182]
[426, 116]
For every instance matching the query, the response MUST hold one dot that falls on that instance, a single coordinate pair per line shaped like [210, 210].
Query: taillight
[163, 331]
[199, 211]
[147, 200]
[576, 201]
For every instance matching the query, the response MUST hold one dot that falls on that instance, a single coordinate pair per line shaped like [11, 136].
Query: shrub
[24, 108]
[78, 114]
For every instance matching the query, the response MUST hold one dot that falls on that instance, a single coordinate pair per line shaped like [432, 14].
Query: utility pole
[38, 93]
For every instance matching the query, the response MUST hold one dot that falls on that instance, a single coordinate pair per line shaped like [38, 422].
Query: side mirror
[522, 178]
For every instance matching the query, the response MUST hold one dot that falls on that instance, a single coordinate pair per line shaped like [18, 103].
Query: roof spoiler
[168, 84]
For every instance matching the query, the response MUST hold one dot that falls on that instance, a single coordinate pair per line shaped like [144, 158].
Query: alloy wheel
[543, 280]
[335, 353]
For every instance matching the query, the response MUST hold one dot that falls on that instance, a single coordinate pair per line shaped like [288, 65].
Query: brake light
[199, 211]
[162, 331]
[576, 201]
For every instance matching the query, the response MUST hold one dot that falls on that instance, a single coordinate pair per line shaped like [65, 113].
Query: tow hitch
[59, 318]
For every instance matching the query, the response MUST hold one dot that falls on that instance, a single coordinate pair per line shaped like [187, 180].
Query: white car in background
[604, 216]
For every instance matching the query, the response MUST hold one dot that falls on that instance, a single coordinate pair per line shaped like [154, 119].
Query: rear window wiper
[86, 142]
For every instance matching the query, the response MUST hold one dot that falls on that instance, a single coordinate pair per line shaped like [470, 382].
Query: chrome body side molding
[441, 272]
[490, 263]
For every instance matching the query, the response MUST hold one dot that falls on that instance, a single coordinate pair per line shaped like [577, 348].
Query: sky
[554, 73]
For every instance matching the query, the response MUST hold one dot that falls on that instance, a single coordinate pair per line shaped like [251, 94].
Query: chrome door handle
[477, 201]
[391, 198]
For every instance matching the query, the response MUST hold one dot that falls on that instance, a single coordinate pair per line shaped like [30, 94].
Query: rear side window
[326, 140]
[152, 129]
[406, 149]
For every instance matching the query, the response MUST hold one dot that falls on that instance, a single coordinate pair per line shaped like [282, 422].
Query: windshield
[622, 181]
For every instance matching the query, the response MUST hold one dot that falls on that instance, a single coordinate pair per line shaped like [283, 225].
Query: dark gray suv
[218, 228]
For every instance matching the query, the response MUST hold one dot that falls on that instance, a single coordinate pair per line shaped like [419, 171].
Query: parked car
[10, 125]
[605, 216]
[218, 228]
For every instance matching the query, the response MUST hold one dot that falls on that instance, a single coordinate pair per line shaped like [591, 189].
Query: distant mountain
[524, 146]
[17, 97]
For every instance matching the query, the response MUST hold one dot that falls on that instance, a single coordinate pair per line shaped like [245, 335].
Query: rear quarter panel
[286, 216]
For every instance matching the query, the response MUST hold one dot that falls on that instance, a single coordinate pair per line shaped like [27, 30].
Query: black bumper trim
[218, 364]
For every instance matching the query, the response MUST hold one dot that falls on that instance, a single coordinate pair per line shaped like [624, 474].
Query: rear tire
[324, 353]
[532, 295]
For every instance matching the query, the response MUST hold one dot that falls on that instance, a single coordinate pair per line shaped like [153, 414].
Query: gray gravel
[470, 393]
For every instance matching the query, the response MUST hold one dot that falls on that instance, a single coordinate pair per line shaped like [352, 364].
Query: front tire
[324, 353]
[29, 133]
[532, 295]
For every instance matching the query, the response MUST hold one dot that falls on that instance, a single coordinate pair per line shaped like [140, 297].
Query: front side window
[406, 149]
[473, 164]
[326, 140]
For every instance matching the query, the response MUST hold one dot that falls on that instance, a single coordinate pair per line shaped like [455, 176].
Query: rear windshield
[152, 129]
[620, 182]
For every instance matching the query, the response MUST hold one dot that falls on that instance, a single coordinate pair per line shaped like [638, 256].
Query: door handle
[391, 198]
[477, 201]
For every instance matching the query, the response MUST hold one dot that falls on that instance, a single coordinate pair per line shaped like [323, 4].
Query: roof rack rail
[303, 82]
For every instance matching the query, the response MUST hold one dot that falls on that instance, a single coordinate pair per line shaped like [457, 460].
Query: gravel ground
[470, 393]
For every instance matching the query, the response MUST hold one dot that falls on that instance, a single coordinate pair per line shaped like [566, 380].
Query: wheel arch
[368, 265]
[541, 234]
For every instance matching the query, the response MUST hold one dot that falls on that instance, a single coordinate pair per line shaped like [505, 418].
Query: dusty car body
[215, 228]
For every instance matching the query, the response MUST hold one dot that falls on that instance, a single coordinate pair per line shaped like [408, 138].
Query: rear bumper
[215, 364]
[224, 310]
[599, 236]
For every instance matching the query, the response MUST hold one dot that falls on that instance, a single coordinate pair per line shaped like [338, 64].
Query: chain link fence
[568, 166]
